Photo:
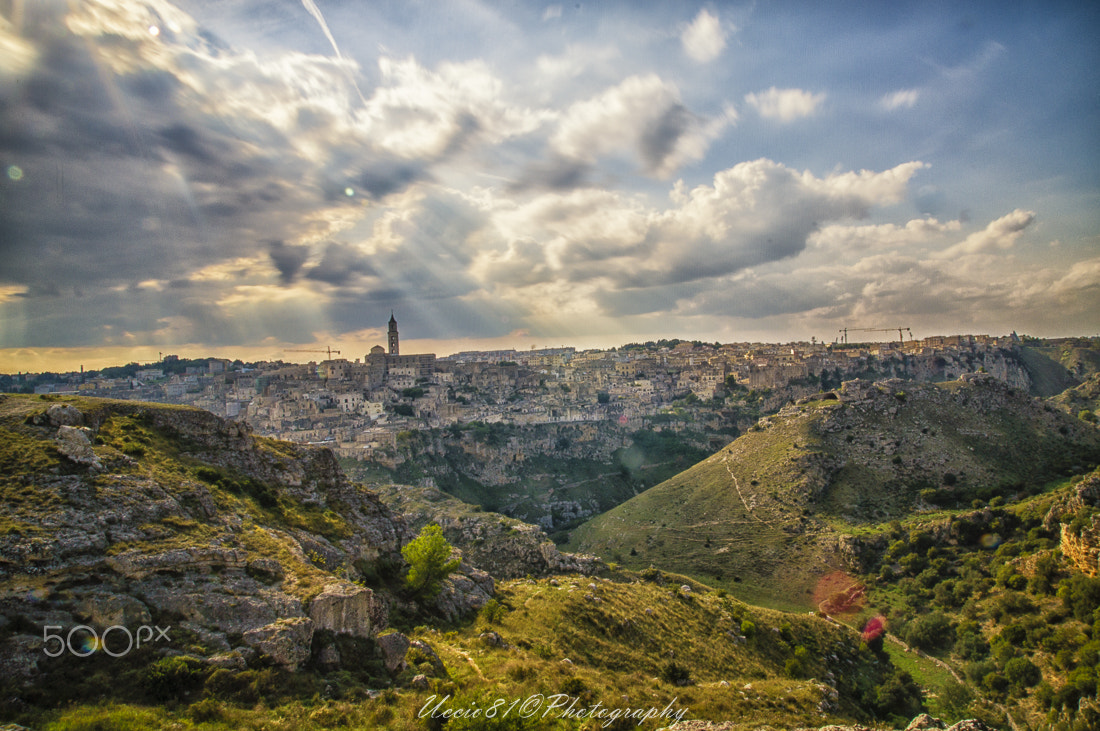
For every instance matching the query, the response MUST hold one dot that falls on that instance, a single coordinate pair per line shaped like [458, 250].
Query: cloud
[786, 105]
[704, 39]
[843, 238]
[1000, 234]
[644, 116]
[752, 214]
[418, 113]
[288, 259]
[906, 98]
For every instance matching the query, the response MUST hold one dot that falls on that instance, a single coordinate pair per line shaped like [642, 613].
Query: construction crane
[327, 350]
[901, 330]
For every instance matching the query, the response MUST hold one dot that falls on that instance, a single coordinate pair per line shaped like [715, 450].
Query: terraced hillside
[770, 514]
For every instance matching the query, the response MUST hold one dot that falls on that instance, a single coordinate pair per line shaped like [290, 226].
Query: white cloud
[785, 105]
[753, 213]
[906, 98]
[552, 12]
[838, 238]
[643, 115]
[999, 234]
[420, 113]
[705, 38]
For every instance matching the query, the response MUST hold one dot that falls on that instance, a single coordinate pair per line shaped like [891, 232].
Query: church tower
[393, 335]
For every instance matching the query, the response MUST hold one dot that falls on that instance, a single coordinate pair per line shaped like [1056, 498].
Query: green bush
[430, 562]
[172, 677]
[933, 631]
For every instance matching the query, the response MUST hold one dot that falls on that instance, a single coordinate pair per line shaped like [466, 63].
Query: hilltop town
[359, 405]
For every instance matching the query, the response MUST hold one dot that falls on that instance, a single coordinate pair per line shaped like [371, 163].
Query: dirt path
[737, 486]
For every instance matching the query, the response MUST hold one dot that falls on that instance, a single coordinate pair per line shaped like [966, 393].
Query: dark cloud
[559, 172]
[185, 140]
[386, 176]
[658, 141]
[287, 259]
[339, 264]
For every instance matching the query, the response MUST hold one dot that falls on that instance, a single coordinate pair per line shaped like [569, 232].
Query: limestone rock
[106, 610]
[348, 609]
[1083, 548]
[393, 647]
[64, 415]
[265, 569]
[286, 641]
[463, 592]
[75, 443]
[924, 722]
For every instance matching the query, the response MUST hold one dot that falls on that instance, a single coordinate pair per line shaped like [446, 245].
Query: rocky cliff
[131, 515]
[508, 547]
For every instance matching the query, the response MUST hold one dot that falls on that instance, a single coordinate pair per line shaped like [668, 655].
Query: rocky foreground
[122, 514]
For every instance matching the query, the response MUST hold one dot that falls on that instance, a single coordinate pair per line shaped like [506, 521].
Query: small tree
[429, 557]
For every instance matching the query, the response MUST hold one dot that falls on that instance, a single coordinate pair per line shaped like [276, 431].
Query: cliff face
[130, 514]
[509, 548]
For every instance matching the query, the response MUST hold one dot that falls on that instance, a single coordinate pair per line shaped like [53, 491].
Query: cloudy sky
[242, 177]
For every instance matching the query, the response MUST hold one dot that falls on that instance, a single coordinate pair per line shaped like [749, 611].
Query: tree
[429, 558]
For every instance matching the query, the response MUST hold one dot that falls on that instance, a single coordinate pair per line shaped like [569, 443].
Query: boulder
[286, 641]
[924, 722]
[348, 609]
[75, 443]
[393, 647]
[64, 415]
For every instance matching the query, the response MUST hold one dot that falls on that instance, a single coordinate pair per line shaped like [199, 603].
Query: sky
[245, 178]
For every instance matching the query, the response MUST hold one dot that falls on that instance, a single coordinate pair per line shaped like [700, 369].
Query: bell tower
[393, 335]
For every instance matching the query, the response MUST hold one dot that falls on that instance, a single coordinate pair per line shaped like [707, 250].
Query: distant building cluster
[359, 406]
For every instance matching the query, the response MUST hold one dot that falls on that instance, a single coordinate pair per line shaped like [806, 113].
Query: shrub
[171, 677]
[430, 562]
[931, 632]
[1022, 673]
[675, 674]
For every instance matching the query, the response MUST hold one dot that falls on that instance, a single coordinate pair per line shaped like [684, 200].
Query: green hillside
[767, 515]
[279, 586]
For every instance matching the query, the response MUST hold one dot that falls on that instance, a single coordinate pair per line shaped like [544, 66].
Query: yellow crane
[901, 330]
[327, 350]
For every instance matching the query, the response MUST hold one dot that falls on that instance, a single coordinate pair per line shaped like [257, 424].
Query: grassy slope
[762, 516]
[624, 642]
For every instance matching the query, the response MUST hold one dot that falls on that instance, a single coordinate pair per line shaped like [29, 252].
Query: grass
[762, 517]
[629, 642]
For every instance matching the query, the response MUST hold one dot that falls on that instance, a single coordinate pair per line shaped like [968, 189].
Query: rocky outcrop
[286, 641]
[505, 547]
[465, 591]
[394, 646]
[348, 609]
[75, 442]
[197, 525]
